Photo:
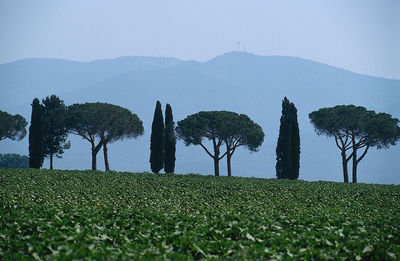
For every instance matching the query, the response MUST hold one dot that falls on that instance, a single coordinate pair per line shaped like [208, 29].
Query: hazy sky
[362, 36]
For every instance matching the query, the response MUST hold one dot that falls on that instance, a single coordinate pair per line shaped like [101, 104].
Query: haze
[250, 55]
[362, 36]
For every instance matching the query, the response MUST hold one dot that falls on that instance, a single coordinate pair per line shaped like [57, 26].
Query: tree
[170, 141]
[378, 130]
[12, 126]
[36, 147]
[90, 121]
[103, 122]
[157, 140]
[333, 122]
[355, 128]
[13, 161]
[205, 124]
[239, 130]
[123, 124]
[54, 128]
[288, 146]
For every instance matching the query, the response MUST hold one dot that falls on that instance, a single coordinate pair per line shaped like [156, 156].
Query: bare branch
[362, 146]
[362, 156]
[212, 156]
[238, 143]
[233, 149]
[347, 138]
[81, 134]
[349, 157]
[361, 142]
[223, 155]
[337, 143]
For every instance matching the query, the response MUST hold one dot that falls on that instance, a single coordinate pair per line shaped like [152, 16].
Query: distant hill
[236, 81]
[42, 77]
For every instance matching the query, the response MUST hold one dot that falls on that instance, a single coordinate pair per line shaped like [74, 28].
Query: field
[64, 215]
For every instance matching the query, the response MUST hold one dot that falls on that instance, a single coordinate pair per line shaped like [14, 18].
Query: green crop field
[86, 215]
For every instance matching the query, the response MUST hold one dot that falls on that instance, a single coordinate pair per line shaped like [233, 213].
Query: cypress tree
[170, 141]
[36, 146]
[288, 147]
[157, 141]
[295, 143]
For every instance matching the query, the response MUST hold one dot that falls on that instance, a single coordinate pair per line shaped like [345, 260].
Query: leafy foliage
[54, 127]
[157, 140]
[170, 141]
[100, 123]
[36, 145]
[122, 124]
[204, 125]
[220, 127]
[288, 147]
[89, 120]
[374, 129]
[354, 128]
[239, 130]
[12, 126]
[13, 161]
[74, 215]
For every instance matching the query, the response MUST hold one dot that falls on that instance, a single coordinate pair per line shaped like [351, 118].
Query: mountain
[42, 77]
[236, 81]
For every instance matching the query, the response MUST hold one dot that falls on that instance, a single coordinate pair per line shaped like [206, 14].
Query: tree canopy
[220, 127]
[54, 127]
[89, 121]
[13, 161]
[123, 124]
[355, 128]
[239, 130]
[12, 126]
[203, 125]
[102, 122]
[288, 145]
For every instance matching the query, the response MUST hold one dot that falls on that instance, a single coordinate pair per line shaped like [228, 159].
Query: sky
[359, 35]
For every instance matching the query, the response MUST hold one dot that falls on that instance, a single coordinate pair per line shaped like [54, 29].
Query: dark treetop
[36, 146]
[12, 126]
[170, 141]
[55, 131]
[288, 145]
[157, 140]
[103, 122]
[355, 128]
[220, 127]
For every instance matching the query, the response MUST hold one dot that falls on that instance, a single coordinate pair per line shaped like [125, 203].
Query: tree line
[13, 160]
[353, 128]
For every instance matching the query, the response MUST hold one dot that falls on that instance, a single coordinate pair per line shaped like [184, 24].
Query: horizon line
[192, 60]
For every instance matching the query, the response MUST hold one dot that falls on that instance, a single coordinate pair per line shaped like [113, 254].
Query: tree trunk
[105, 150]
[344, 165]
[216, 158]
[228, 162]
[95, 150]
[51, 160]
[355, 163]
[94, 159]
[355, 171]
[216, 166]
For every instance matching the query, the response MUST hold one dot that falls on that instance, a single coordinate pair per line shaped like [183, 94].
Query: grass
[86, 215]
